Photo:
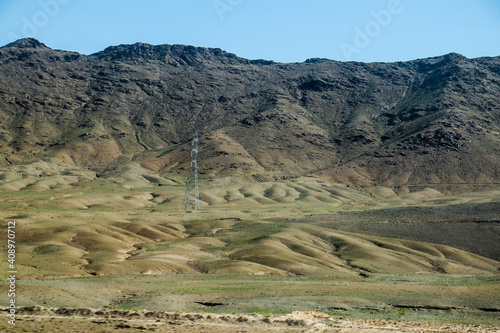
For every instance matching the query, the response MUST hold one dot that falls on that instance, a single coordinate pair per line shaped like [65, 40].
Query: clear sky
[280, 30]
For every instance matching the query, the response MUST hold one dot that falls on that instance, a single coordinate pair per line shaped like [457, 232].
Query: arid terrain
[424, 122]
[37, 319]
[335, 197]
[264, 249]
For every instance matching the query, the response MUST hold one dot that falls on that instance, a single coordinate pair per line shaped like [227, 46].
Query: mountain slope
[431, 121]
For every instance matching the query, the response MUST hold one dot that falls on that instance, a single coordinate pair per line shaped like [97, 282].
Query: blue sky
[280, 30]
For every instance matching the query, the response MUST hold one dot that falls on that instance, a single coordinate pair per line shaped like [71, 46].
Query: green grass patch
[303, 193]
[175, 179]
[251, 232]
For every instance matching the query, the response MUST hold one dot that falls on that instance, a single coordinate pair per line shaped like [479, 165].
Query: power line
[192, 195]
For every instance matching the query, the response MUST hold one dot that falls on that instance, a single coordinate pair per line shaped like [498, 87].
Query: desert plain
[117, 254]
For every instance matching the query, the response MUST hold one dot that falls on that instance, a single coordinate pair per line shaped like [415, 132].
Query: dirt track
[39, 319]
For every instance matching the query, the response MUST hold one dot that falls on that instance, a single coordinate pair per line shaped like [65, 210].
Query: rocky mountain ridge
[431, 121]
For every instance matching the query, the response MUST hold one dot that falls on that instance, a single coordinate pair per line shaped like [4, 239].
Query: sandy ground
[39, 319]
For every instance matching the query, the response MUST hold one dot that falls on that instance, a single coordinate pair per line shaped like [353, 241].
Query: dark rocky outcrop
[432, 120]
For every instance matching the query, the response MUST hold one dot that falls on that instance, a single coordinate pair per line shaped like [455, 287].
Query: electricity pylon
[192, 195]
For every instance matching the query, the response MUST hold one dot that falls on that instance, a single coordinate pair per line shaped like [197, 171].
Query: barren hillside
[429, 121]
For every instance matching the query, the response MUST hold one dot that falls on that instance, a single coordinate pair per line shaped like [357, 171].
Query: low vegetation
[255, 247]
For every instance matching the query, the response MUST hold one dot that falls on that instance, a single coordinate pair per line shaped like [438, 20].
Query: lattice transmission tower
[192, 195]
